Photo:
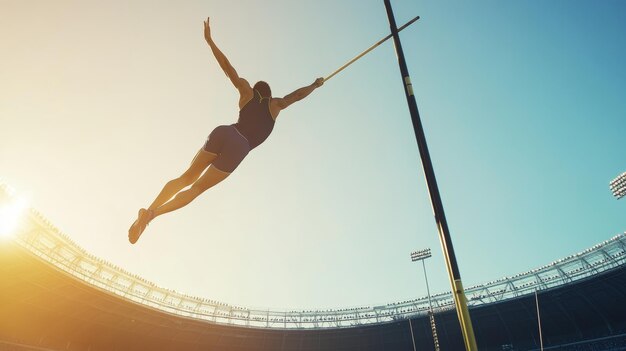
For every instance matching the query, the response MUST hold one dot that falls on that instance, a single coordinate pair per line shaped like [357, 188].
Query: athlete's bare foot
[135, 231]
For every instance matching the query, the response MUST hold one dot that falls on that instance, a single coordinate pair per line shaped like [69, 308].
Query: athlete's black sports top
[255, 121]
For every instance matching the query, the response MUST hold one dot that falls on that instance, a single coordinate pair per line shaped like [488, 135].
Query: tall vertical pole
[435, 198]
[539, 320]
[413, 336]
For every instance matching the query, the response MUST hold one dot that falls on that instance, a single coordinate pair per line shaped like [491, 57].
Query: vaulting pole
[435, 198]
[369, 49]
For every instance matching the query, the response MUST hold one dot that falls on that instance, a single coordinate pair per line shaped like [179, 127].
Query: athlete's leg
[200, 162]
[211, 177]
[229, 146]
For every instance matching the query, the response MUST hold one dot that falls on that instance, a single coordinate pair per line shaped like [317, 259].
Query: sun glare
[11, 212]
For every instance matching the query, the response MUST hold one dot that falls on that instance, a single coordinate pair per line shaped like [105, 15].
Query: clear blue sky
[523, 104]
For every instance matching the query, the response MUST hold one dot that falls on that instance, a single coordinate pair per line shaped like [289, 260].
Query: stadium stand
[55, 296]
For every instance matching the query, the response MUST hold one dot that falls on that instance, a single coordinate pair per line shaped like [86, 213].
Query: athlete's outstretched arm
[298, 94]
[230, 71]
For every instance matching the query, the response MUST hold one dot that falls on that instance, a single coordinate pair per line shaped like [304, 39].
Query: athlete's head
[263, 88]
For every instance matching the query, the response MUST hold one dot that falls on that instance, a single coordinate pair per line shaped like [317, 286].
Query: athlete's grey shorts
[230, 147]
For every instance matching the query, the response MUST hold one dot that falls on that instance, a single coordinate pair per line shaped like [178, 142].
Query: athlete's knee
[189, 177]
[196, 189]
[177, 183]
[211, 178]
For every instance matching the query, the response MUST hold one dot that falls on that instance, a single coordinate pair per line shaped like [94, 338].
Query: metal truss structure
[44, 240]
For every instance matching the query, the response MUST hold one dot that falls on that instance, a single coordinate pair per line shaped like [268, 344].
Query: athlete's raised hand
[207, 30]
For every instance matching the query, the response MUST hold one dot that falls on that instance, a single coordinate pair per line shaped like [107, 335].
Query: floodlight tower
[618, 186]
[422, 255]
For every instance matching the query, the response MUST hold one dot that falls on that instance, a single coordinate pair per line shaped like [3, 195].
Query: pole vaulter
[228, 145]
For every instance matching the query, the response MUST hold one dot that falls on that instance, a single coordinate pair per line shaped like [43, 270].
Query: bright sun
[11, 211]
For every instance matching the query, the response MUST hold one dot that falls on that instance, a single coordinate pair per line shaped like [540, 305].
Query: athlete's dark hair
[263, 88]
